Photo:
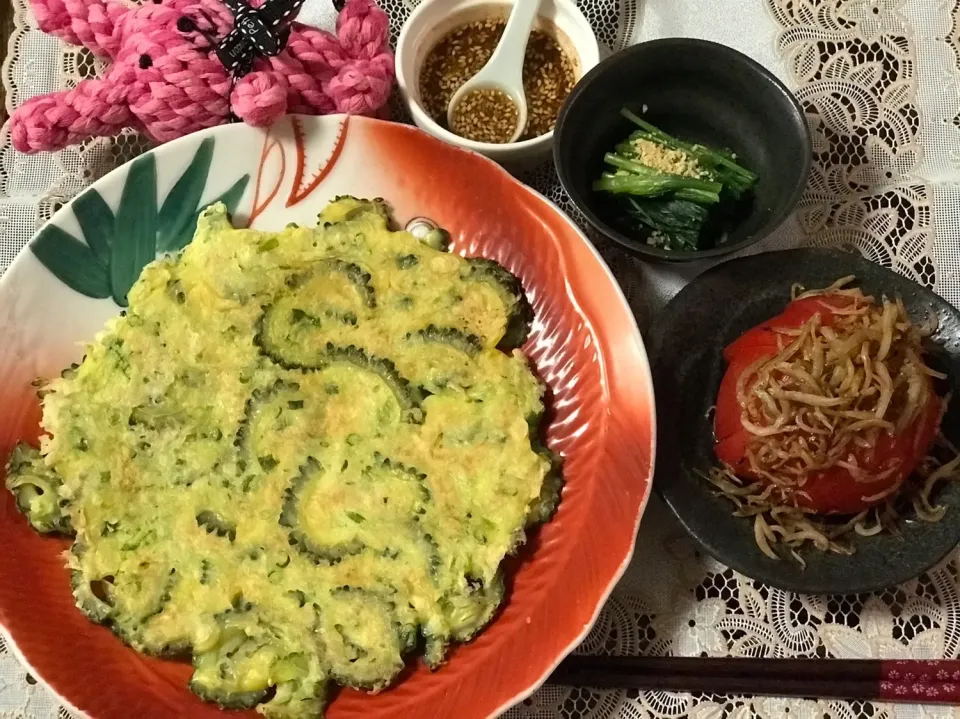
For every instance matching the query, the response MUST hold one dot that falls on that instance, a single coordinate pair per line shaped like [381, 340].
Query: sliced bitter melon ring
[440, 357]
[330, 284]
[508, 287]
[239, 661]
[290, 357]
[345, 208]
[335, 513]
[301, 687]
[35, 487]
[319, 552]
[233, 658]
[316, 306]
[364, 641]
[467, 612]
[140, 596]
[466, 343]
[125, 598]
[408, 396]
[93, 598]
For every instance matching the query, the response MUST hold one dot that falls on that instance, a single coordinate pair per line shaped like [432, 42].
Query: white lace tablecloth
[880, 80]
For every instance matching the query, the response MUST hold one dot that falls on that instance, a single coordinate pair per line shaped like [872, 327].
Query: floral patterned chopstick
[901, 681]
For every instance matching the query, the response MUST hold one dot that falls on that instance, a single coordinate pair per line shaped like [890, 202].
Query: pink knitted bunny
[167, 80]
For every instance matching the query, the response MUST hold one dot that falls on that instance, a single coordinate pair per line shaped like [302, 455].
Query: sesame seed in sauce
[486, 115]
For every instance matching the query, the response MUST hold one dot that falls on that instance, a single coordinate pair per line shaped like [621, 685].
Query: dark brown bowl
[698, 91]
[686, 354]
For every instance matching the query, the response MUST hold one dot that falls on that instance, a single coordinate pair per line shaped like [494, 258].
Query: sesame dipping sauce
[548, 77]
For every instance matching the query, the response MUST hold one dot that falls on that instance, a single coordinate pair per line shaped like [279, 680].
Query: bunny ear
[94, 108]
[82, 22]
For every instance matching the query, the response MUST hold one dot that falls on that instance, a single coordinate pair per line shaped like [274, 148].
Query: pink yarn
[166, 79]
[260, 98]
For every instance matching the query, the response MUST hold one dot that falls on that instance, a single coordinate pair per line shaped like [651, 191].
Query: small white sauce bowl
[434, 19]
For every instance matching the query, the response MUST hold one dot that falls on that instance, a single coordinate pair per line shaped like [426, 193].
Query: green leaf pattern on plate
[96, 223]
[230, 198]
[177, 211]
[73, 262]
[118, 245]
[135, 226]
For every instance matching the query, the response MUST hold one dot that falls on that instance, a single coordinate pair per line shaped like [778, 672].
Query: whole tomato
[832, 491]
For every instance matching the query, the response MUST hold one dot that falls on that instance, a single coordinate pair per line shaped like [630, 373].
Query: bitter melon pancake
[298, 457]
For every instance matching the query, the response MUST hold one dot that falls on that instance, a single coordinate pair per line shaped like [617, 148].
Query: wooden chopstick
[912, 681]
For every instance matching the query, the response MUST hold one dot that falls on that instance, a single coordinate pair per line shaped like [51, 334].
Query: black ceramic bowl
[698, 91]
[686, 355]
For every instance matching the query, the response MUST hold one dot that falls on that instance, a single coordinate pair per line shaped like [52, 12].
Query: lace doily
[880, 80]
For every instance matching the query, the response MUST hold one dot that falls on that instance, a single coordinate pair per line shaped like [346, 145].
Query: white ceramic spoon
[504, 69]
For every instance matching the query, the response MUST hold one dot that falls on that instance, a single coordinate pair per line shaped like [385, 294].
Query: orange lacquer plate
[585, 345]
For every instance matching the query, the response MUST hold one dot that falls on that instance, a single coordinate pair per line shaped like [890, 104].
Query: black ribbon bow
[257, 32]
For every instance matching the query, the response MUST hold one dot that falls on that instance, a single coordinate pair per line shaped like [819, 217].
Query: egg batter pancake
[298, 457]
